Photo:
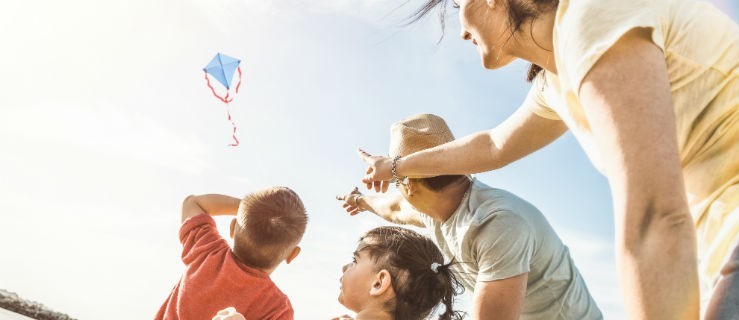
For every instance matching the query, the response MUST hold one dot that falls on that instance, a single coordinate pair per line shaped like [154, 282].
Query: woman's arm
[521, 134]
[627, 100]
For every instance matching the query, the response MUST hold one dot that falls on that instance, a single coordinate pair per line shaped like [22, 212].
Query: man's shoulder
[486, 203]
[484, 193]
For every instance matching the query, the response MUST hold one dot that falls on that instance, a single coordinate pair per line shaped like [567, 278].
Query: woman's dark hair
[420, 279]
[519, 11]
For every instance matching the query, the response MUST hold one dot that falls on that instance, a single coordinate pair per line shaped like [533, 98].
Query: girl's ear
[382, 284]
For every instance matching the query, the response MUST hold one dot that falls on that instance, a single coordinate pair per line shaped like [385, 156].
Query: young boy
[267, 228]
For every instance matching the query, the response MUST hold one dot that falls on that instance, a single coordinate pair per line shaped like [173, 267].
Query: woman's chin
[492, 64]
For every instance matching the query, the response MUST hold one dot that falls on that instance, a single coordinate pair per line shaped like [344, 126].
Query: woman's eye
[354, 260]
[455, 5]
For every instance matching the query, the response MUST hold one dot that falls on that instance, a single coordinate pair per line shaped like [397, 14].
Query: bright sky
[106, 125]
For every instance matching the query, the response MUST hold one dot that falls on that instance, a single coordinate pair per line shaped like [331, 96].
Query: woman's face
[357, 281]
[485, 24]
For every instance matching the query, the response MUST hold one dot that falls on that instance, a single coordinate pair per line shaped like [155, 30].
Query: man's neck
[441, 205]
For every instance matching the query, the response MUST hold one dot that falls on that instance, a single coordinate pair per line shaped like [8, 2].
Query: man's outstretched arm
[391, 207]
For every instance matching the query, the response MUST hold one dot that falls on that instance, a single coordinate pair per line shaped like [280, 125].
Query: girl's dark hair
[408, 257]
[519, 11]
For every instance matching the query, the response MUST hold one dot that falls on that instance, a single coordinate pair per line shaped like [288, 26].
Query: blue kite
[222, 68]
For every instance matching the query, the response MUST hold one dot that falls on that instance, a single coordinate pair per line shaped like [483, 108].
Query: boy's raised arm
[212, 204]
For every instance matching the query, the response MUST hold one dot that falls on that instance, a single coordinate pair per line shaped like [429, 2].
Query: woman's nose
[346, 266]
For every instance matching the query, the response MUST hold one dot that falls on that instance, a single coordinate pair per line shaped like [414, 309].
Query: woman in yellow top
[650, 89]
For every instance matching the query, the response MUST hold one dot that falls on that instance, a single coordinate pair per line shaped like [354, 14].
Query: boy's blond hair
[270, 224]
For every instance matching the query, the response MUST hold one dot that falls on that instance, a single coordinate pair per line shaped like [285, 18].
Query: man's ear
[292, 255]
[411, 187]
[382, 283]
[233, 227]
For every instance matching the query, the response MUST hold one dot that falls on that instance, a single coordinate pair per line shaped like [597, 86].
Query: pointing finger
[364, 155]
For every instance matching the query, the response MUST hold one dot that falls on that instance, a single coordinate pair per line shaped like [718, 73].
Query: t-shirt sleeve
[535, 100]
[586, 29]
[199, 237]
[503, 247]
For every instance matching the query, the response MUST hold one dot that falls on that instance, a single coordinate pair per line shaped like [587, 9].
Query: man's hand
[379, 171]
[351, 201]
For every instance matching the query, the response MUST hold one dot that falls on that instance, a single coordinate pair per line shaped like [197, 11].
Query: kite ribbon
[226, 100]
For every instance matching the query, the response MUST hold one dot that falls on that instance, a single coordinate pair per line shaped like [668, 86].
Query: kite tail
[224, 100]
[236, 140]
[238, 84]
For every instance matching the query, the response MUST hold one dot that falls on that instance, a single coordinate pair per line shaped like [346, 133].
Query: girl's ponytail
[451, 287]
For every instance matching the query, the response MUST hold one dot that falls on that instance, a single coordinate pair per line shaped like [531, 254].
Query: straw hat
[417, 133]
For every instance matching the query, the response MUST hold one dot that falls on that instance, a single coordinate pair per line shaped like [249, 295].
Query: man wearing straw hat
[509, 256]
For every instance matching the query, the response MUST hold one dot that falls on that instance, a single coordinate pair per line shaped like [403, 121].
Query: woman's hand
[351, 201]
[229, 314]
[379, 173]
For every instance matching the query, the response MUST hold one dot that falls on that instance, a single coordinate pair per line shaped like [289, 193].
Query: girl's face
[357, 281]
[485, 24]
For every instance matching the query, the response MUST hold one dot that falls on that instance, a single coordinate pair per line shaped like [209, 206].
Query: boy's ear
[233, 227]
[292, 255]
[382, 283]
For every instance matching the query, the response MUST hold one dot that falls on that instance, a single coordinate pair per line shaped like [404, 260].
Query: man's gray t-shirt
[496, 235]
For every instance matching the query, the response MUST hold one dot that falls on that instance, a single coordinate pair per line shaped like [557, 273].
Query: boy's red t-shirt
[215, 280]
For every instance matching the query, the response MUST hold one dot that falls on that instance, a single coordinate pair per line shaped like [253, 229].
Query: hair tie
[435, 267]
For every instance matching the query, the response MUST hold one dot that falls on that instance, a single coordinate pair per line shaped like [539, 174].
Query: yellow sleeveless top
[701, 48]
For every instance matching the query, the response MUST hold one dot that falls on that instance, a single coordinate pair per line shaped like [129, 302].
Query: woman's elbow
[660, 227]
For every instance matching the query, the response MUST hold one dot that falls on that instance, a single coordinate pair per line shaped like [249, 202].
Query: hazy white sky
[106, 125]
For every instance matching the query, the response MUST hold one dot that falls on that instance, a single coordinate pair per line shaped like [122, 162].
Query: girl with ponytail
[398, 274]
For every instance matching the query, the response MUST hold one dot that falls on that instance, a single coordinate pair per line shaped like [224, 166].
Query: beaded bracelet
[394, 172]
